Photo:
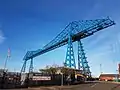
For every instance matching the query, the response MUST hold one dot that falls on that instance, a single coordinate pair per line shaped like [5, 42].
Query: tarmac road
[87, 86]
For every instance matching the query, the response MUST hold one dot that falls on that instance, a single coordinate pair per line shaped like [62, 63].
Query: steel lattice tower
[31, 66]
[70, 59]
[24, 66]
[82, 60]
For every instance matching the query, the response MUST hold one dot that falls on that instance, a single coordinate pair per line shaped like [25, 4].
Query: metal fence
[8, 81]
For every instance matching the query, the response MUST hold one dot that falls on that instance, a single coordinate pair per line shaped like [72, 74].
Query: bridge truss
[74, 31]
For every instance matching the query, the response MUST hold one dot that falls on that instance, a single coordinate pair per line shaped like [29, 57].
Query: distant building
[68, 70]
[109, 77]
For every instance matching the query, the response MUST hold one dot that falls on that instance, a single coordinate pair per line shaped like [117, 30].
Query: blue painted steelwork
[78, 29]
[70, 59]
[31, 66]
[82, 60]
[24, 66]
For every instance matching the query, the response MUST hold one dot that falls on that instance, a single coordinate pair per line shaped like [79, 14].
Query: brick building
[109, 77]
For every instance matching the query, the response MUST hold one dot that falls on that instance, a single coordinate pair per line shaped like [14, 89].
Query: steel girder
[70, 59]
[31, 66]
[82, 60]
[78, 29]
[24, 66]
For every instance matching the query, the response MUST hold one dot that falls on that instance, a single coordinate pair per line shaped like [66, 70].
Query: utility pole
[117, 75]
[61, 79]
[100, 68]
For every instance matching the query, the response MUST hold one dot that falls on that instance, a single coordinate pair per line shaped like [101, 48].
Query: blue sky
[30, 24]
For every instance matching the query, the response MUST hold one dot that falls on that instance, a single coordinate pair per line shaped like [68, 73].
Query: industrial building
[110, 77]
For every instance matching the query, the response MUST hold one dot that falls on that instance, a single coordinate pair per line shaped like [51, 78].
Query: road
[87, 86]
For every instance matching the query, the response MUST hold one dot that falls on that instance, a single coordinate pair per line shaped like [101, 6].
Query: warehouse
[109, 77]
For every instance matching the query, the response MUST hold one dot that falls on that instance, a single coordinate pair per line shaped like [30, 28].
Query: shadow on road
[117, 86]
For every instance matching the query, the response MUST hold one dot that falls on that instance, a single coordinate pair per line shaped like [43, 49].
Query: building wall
[106, 78]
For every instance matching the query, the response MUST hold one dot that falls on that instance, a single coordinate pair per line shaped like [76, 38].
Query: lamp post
[100, 68]
[116, 75]
[61, 79]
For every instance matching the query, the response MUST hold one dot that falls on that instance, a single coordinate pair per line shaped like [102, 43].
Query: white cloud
[2, 38]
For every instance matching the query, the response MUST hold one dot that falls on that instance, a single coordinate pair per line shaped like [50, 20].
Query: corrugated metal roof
[109, 75]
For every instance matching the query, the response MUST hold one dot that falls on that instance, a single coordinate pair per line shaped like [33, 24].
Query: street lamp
[116, 75]
[61, 79]
[101, 69]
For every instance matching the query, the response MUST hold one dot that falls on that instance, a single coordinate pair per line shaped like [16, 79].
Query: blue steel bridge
[73, 32]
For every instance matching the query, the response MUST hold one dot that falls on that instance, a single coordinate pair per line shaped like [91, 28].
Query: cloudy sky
[30, 24]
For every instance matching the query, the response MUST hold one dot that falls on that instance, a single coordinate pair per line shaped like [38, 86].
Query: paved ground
[87, 86]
